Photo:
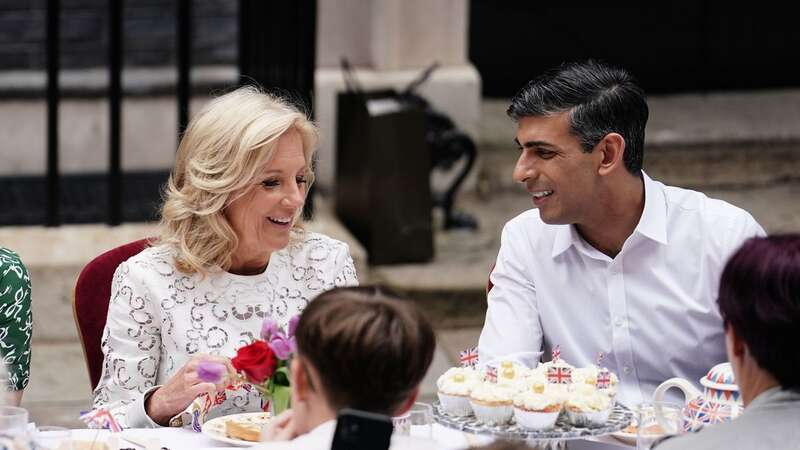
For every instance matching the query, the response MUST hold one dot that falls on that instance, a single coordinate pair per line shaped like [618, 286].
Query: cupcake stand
[552, 439]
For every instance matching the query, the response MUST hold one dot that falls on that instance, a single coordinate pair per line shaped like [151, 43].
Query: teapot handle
[689, 391]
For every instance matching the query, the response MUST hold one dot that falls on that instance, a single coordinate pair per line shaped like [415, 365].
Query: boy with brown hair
[359, 348]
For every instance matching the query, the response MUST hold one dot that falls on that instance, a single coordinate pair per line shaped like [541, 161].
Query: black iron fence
[114, 177]
[276, 47]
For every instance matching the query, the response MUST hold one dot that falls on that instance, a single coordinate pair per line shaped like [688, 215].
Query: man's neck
[755, 385]
[618, 213]
[316, 416]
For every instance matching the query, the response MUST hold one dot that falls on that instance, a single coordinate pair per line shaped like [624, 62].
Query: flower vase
[276, 400]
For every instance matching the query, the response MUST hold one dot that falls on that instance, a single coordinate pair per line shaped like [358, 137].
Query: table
[180, 438]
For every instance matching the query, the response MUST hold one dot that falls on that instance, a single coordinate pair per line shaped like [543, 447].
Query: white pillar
[390, 42]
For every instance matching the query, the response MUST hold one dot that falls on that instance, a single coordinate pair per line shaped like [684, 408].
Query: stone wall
[149, 33]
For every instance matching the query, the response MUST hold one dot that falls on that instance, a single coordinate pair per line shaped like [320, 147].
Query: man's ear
[300, 386]
[408, 403]
[611, 150]
[738, 346]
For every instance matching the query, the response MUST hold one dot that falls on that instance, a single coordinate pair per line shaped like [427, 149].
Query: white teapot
[720, 400]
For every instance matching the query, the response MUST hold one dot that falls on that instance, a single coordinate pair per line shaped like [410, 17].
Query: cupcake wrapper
[455, 405]
[493, 414]
[535, 420]
[588, 419]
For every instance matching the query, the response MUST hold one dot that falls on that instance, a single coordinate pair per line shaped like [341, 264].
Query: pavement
[450, 288]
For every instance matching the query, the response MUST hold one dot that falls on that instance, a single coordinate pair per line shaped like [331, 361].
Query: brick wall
[149, 33]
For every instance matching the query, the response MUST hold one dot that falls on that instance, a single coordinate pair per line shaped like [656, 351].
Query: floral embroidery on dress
[159, 317]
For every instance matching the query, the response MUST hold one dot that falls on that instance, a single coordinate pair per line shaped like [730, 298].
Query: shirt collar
[652, 224]
[772, 395]
[566, 237]
[324, 429]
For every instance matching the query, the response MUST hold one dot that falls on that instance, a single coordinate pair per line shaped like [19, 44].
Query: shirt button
[626, 370]
[619, 323]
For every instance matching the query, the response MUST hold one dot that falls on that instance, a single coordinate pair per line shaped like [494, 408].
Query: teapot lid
[720, 377]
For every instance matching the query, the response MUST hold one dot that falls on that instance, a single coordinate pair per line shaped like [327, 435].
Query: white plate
[215, 428]
[628, 438]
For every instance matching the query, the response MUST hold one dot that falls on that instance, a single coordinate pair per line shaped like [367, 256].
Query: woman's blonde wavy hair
[221, 156]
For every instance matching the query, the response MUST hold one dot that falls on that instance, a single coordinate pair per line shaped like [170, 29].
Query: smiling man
[608, 260]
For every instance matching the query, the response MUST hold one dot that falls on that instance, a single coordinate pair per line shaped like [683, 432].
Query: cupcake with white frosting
[512, 375]
[588, 375]
[537, 408]
[492, 403]
[454, 388]
[587, 407]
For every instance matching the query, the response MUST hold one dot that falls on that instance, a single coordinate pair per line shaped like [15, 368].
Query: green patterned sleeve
[16, 321]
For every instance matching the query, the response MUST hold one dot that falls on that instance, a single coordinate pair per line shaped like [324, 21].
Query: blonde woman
[231, 252]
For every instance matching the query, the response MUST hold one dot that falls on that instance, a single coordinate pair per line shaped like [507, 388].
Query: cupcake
[533, 377]
[513, 376]
[588, 375]
[537, 408]
[587, 407]
[454, 387]
[492, 403]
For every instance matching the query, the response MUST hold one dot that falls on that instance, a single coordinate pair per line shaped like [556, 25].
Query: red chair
[90, 302]
[489, 284]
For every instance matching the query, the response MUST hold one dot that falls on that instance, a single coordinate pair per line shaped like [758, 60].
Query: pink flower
[282, 346]
[211, 371]
[293, 325]
[269, 328]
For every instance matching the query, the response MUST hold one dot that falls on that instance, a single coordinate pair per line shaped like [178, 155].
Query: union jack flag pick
[559, 375]
[603, 379]
[556, 353]
[100, 418]
[491, 374]
[469, 357]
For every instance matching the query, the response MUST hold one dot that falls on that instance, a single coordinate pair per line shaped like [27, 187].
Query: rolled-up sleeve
[512, 329]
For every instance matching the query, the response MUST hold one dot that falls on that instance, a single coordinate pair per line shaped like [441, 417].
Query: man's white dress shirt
[651, 310]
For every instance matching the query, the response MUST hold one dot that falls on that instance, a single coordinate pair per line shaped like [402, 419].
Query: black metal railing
[53, 9]
[276, 49]
[114, 176]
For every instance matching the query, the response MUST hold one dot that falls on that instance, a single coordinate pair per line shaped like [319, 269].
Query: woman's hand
[174, 396]
[281, 428]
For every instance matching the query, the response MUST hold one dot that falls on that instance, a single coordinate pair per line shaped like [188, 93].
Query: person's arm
[512, 329]
[131, 345]
[16, 324]
[14, 398]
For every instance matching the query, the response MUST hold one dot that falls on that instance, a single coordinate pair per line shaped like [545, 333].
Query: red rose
[256, 360]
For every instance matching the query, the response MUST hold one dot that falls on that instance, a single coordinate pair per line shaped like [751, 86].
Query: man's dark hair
[601, 99]
[370, 348]
[759, 297]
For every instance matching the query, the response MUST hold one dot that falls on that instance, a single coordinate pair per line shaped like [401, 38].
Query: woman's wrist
[154, 408]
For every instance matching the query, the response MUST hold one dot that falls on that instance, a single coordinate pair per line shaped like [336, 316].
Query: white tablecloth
[179, 438]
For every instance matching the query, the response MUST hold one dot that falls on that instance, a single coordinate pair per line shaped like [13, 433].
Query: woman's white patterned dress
[159, 317]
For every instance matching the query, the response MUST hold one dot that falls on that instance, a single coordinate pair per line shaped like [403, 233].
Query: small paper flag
[556, 353]
[469, 357]
[491, 374]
